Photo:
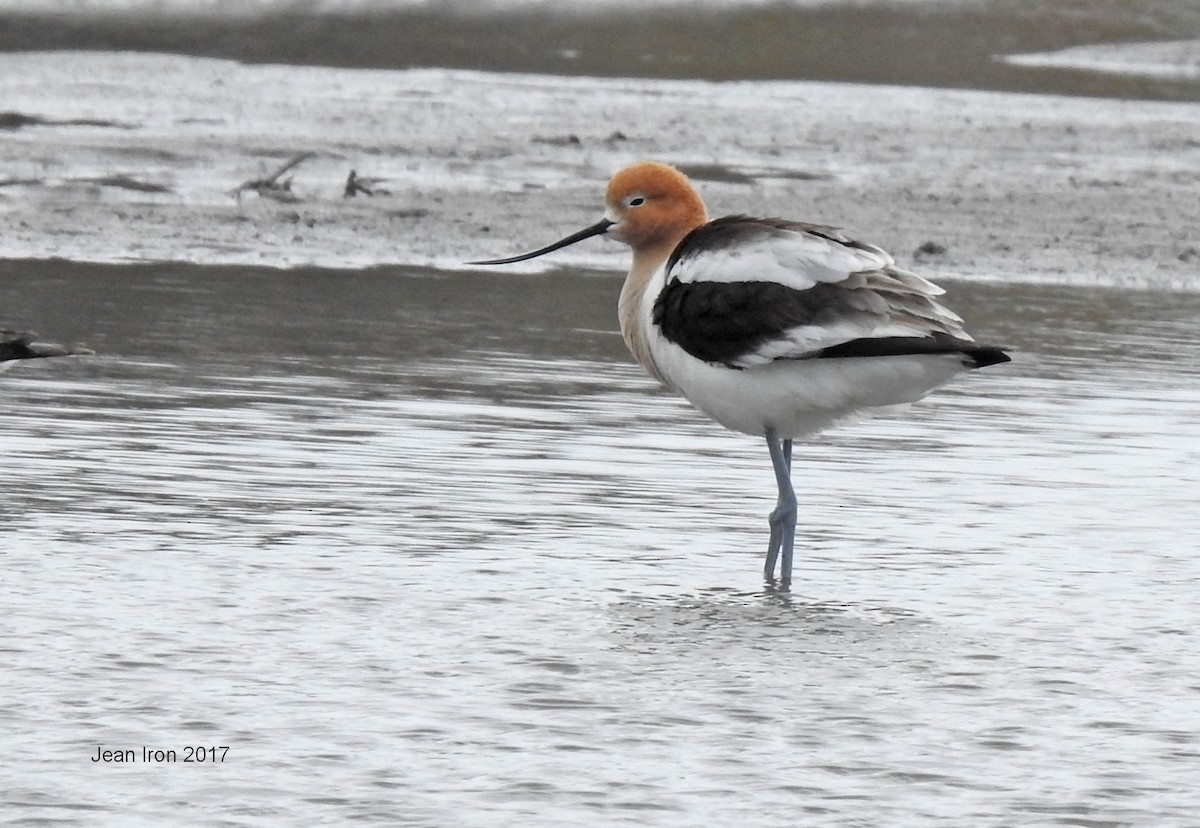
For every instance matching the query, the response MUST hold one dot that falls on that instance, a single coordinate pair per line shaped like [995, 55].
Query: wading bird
[16, 345]
[773, 328]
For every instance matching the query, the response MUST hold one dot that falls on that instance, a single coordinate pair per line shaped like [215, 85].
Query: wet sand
[132, 158]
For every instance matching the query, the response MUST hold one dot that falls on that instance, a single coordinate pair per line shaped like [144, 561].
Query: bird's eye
[636, 201]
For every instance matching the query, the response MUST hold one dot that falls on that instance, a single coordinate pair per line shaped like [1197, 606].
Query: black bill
[596, 229]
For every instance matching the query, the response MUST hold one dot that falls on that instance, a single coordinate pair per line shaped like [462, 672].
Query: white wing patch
[793, 257]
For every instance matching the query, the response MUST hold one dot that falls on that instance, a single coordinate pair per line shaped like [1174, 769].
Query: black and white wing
[743, 291]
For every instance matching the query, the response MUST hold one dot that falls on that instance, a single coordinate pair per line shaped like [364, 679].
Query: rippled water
[426, 548]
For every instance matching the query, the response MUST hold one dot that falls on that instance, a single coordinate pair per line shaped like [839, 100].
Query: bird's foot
[782, 521]
[778, 586]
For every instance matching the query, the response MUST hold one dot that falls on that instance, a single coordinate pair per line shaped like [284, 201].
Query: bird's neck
[636, 304]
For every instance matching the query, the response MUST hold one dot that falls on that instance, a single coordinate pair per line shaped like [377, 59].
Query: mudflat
[135, 157]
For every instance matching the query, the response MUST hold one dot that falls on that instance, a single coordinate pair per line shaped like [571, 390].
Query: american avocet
[16, 345]
[773, 328]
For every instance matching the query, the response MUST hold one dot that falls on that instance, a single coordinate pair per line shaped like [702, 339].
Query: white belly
[800, 397]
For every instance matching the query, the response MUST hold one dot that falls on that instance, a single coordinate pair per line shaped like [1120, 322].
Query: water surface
[945, 43]
[425, 548]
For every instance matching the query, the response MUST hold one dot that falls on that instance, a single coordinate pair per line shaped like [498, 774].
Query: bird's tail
[982, 356]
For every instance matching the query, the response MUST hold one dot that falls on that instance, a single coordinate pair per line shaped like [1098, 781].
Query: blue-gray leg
[783, 516]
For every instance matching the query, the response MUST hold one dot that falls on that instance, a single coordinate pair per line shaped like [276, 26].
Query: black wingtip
[974, 356]
[986, 355]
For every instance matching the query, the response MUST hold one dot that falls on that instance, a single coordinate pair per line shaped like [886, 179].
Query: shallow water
[425, 548]
[955, 43]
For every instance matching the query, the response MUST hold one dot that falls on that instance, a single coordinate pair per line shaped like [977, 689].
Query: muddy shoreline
[477, 165]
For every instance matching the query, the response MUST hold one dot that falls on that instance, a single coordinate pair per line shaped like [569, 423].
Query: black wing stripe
[725, 321]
